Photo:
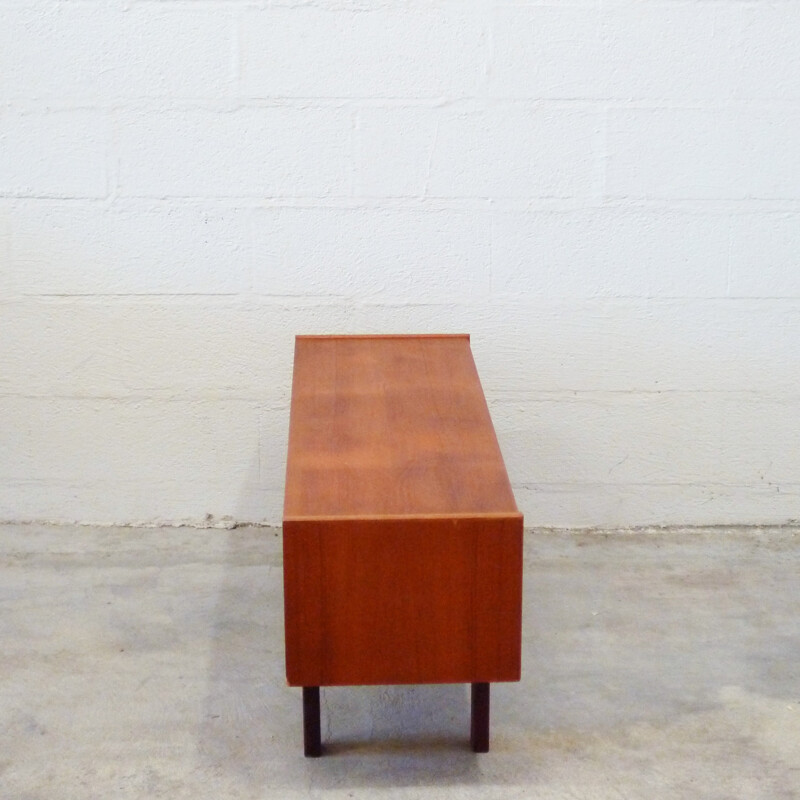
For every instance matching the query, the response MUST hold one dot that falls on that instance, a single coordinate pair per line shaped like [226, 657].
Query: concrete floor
[149, 663]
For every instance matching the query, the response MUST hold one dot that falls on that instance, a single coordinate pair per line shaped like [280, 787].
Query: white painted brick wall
[136, 247]
[610, 253]
[54, 154]
[63, 54]
[704, 154]
[605, 194]
[507, 151]
[392, 255]
[388, 52]
[243, 152]
[765, 255]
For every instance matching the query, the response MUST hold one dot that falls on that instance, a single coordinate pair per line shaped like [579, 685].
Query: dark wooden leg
[480, 718]
[312, 737]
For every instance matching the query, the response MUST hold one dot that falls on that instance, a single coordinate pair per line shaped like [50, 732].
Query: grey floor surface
[149, 663]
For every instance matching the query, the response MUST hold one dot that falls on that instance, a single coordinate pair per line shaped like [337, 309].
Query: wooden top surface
[385, 426]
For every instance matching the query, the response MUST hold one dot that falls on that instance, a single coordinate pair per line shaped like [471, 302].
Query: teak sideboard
[402, 543]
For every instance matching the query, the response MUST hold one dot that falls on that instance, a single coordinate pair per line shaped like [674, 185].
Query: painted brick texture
[606, 195]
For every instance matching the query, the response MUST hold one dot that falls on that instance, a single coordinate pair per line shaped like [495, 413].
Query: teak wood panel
[403, 600]
[402, 540]
[390, 425]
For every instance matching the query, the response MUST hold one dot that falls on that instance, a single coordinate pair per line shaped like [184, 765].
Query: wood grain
[391, 425]
[406, 601]
[402, 540]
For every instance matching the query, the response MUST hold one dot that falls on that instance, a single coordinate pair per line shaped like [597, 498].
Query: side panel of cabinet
[392, 601]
